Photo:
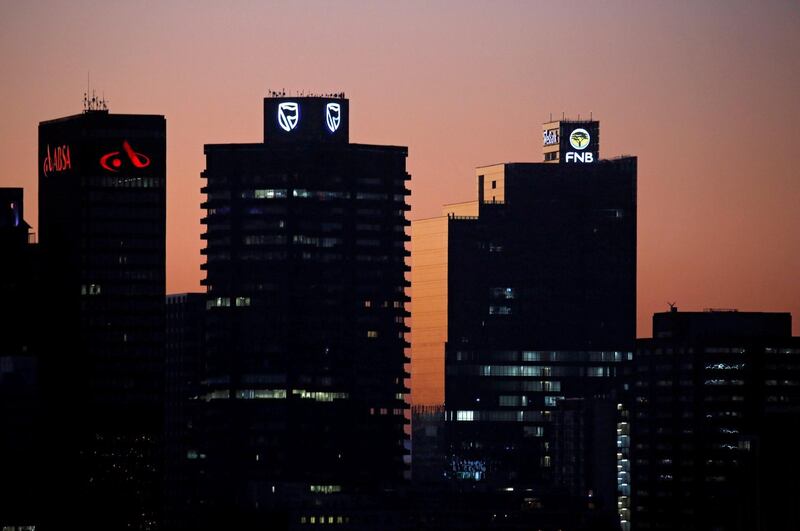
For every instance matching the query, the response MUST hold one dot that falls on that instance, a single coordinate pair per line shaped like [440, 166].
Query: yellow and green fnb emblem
[579, 138]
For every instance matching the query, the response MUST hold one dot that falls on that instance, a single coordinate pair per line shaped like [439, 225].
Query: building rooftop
[721, 323]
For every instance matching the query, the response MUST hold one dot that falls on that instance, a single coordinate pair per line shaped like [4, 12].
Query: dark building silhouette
[428, 444]
[713, 398]
[102, 224]
[185, 340]
[302, 386]
[585, 443]
[525, 297]
[20, 392]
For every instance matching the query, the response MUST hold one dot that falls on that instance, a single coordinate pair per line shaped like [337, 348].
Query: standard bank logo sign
[288, 115]
[333, 116]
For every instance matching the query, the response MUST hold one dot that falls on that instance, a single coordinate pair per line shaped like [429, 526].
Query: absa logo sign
[113, 161]
[57, 160]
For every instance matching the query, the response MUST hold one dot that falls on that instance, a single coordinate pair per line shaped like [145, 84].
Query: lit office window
[269, 194]
[465, 416]
[219, 302]
[503, 293]
[552, 400]
[531, 356]
[90, 289]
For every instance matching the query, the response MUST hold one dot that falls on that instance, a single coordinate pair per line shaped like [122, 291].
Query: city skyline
[232, 308]
[716, 208]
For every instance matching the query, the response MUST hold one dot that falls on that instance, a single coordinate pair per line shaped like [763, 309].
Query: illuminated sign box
[306, 119]
[579, 142]
[550, 137]
[101, 145]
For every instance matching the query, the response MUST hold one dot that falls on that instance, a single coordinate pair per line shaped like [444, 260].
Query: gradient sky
[706, 94]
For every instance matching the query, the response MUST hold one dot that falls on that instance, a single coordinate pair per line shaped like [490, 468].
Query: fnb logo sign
[579, 139]
[113, 161]
[56, 160]
[579, 157]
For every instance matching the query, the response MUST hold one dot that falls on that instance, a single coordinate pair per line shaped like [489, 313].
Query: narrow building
[102, 228]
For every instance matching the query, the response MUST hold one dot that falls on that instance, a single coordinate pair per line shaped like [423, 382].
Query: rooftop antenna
[591, 117]
[93, 103]
[86, 94]
[672, 307]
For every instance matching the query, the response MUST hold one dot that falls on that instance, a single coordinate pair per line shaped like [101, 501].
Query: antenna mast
[93, 103]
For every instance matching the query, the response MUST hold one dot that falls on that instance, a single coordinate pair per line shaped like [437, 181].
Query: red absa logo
[56, 160]
[113, 161]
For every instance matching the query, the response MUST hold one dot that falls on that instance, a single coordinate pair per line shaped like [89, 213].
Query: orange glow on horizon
[705, 97]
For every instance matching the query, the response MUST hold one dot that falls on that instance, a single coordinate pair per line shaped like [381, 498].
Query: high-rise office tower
[303, 376]
[714, 396]
[185, 339]
[20, 411]
[523, 297]
[102, 225]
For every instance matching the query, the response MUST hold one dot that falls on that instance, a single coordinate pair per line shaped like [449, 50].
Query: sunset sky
[705, 94]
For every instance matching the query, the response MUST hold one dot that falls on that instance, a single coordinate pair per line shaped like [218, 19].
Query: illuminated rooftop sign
[571, 141]
[550, 137]
[579, 138]
[91, 144]
[288, 115]
[333, 116]
[56, 160]
[579, 142]
[306, 119]
[112, 161]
